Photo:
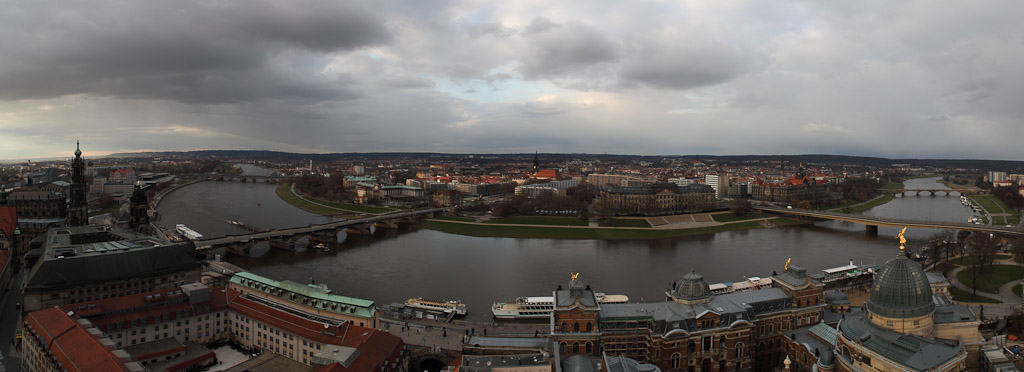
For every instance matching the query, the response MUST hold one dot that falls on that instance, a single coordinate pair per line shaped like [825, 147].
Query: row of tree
[978, 249]
[575, 199]
[327, 188]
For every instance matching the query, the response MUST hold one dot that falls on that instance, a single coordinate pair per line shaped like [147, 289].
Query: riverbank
[870, 203]
[493, 230]
[287, 193]
[998, 212]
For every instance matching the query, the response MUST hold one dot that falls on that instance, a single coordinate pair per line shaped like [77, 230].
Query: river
[411, 262]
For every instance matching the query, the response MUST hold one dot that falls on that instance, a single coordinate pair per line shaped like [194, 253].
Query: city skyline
[896, 80]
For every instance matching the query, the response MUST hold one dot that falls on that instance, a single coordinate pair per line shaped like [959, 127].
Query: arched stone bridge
[327, 232]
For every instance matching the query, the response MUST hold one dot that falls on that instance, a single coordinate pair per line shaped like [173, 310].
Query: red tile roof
[8, 220]
[5, 257]
[111, 311]
[71, 344]
[546, 173]
[376, 348]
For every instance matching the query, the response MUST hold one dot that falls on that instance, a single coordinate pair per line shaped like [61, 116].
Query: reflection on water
[391, 266]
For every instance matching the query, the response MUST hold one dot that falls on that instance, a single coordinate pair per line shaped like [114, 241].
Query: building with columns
[693, 329]
[903, 327]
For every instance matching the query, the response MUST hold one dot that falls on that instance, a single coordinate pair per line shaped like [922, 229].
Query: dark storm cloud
[565, 48]
[181, 51]
[683, 66]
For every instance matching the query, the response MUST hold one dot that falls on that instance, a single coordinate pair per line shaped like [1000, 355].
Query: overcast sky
[878, 78]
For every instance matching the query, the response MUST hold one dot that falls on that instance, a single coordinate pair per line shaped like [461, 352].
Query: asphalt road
[9, 320]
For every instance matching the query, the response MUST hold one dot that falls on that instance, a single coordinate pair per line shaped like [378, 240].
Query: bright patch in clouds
[482, 76]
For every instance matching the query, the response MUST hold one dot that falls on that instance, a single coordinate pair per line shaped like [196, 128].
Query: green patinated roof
[826, 333]
[307, 295]
[901, 290]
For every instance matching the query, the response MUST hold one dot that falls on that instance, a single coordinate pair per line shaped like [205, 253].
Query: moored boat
[446, 307]
[540, 306]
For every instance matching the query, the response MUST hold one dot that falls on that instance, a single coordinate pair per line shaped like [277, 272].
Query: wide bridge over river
[872, 223]
[325, 233]
[918, 192]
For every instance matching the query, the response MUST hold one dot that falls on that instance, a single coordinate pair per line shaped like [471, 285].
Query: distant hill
[1002, 165]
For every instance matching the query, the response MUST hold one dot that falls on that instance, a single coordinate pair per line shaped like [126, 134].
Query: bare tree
[983, 247]
[1018, 249]
[740, 206]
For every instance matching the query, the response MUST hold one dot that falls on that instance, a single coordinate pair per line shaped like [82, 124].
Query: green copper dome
[901, 290]
[692, 287]
[78, 150]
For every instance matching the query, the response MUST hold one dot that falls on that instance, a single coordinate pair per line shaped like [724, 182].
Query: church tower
[78, 212]
[536, 162]
[138, 210]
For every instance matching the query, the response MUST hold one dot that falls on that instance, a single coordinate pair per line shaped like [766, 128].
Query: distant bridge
[249, 178]
[930, 191]
[872, 223]
[325, 233]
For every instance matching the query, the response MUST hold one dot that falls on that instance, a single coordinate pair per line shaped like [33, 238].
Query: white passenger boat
[541, 306]
[187, 232]
[446, 307]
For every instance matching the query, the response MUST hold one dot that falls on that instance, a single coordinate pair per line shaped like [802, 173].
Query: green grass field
[541, 220]
[991, 281]
[969, 260]
[624, 222]
[893, 186]
[885, 198]
[994, 205]
[554, 232]
[354, 207]
[1016, 290]
[964, 296]
[110, 209]
[284, 192]
[731, 217]
[327, 208]
[453, 218]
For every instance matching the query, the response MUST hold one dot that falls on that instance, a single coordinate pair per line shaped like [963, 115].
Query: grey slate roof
[580, 363]
[83, 255]
[670, 315]
[934, 277]
[520, 342]
[951, 313]
[836, 297]
[60, 274]
[914, 352]
[484, 363]
[567, 297]
[796, 276]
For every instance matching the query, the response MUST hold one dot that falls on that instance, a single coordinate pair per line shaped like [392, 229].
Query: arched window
[739, 350]
[561, 348]
[691, 347]
[575, 327]
[590, 327]
[675, 360]
[563, 326]
[590, 347]
[575, 347]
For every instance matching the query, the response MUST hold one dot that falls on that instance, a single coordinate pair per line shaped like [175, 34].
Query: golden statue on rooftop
[787, 263]
[903, 241]
[574, 276]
